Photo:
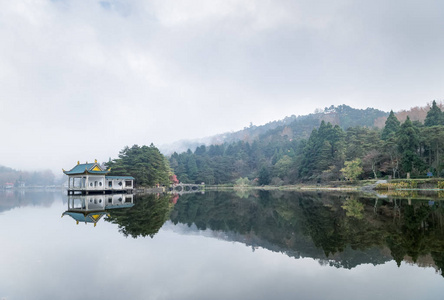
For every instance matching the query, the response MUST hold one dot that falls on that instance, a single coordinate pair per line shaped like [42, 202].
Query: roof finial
[95, 160]
[78, 162]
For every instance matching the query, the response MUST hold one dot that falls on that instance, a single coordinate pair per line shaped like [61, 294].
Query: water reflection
[338, 229]
[146, 217]
[182, 262]
[11, 199]
[343, 230]
[91, 208]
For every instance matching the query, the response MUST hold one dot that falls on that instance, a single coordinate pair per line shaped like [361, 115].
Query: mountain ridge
[293, 126]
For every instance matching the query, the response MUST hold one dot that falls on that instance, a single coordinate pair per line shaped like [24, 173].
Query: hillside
[294, 127]
[273, 149]
[335, 144]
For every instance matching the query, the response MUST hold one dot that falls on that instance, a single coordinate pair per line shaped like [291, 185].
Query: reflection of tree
[438, 257]
[243, 192]
[419, 232]
[145, 218]
[353, 208]
[324, 226]
[346, 229]
[413, 229]
[397, 249]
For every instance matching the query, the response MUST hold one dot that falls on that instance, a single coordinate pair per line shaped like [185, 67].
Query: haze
[81, 79]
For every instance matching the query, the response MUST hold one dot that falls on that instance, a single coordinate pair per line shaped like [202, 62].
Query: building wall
[98, 183]
[118, 184]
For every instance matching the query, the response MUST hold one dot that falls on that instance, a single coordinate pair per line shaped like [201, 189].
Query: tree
[324, 149]
[391, 126]
[434, 116]
[242, 182]
[371, 160]
[391, 157]
[264, 176]
[283, 166]
[352, 169]
[408, 143]
[191, 167]
[146, 164]
[433, 138]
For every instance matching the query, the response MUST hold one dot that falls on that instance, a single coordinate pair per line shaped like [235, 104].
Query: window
[128, 183]
[120, 183]
[110, 184]
[77, 182]
[100, 183]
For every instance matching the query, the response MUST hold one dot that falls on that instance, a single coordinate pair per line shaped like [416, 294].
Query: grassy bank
[394, 184]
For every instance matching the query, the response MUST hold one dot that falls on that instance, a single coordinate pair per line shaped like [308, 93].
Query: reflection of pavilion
[91, 208]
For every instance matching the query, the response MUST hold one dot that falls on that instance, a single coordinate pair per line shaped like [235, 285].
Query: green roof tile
[85, 168]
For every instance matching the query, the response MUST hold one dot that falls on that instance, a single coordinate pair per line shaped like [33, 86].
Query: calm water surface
[260, 245]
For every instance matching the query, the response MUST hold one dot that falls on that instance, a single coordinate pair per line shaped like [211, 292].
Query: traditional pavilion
[90, 178]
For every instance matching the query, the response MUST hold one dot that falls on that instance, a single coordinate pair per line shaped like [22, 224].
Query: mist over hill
[294, 127]
[322, 147]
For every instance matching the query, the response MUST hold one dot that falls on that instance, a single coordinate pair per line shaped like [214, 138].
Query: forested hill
[295, 127]
[301, 126]
[227, 157]
[339, 143]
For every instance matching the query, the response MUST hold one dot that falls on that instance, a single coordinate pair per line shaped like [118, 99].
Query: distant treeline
[24, 178]
[413, 148]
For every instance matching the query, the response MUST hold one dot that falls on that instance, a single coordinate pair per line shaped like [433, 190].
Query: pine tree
[408, 143]
[408, 139]
[434, 116]
[392, 126]
[264, 176]
[146, 164]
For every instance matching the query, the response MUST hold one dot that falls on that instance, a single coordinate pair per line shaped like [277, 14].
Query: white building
[91, 178]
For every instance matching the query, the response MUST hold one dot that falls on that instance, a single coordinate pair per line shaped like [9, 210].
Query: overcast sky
[81, 79]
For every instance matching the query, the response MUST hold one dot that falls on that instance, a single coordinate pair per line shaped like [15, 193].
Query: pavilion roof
[87, 168]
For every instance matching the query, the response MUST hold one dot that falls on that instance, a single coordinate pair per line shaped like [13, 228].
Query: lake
[221, 245]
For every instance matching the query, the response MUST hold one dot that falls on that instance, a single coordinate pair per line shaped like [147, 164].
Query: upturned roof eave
[81, 169]
[86, 172]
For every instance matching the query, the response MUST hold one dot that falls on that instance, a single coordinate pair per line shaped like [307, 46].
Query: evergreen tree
[408, 139]
[191, 167]
[146, 164]
[392, 126]
[433, 140]
[434, 116]
[408, 143]
[324, 150]
[264, 176]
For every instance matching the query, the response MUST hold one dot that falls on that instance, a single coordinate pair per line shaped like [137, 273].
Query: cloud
[85, 78]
